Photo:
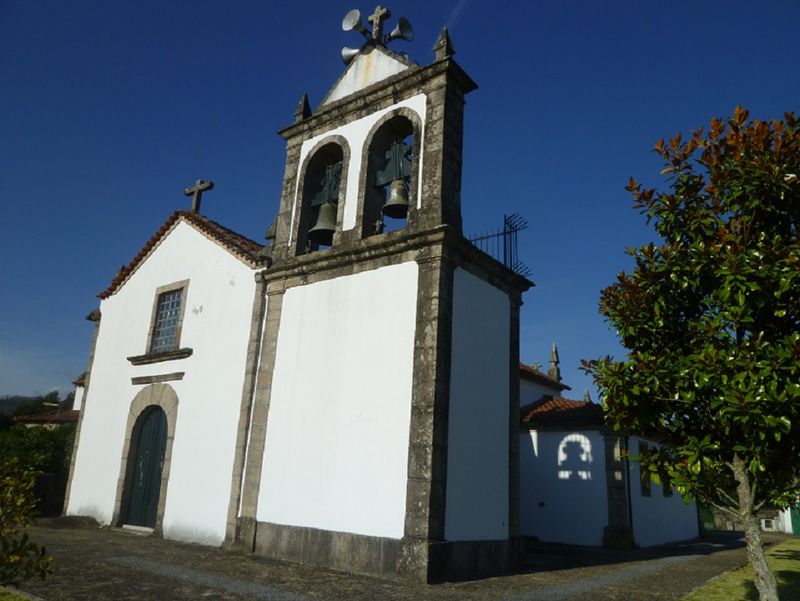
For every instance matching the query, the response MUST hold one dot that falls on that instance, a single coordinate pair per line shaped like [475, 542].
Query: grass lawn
[784, 561]
[7, 595]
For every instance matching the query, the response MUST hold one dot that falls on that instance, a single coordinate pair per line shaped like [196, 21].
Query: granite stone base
[419, 560]
[618, 538]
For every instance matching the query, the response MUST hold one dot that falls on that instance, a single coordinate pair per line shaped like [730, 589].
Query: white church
[398, 454]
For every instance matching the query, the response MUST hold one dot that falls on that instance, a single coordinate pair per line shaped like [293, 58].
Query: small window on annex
[390, 189]
[320, 204]
[644, 473]
[167, 318]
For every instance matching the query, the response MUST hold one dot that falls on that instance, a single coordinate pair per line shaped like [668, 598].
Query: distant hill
[9, 404]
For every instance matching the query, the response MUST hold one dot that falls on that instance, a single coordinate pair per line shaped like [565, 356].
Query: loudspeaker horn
[352, 20]
[348, 54]
[403, 30]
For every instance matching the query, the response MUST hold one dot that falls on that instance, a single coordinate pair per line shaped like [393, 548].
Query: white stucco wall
[336, 455]
[78, 403]
[785, 521]
[531, 392]
[563, 486]
[477, 454]
[363, 71]
[658, 519]
[216, 326]
[356, 134]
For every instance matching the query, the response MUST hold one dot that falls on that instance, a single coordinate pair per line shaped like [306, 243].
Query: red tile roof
[241, 246]
[533, 374]
[556, 409]
[59, 417]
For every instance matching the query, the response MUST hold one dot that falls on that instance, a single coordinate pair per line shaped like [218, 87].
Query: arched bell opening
[391, 179]
[319, 207]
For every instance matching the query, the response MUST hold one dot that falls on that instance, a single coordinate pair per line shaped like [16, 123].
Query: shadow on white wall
[562, 486]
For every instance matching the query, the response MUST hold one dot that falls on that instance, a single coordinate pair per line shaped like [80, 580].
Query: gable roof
[557, 410]
[372, 64]
[240, 246]
[527, 372]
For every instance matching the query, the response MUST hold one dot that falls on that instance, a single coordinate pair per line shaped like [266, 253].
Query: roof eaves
[240, 246]
[533, 374]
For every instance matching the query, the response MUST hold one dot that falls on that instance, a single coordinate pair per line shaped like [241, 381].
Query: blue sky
[109, 109]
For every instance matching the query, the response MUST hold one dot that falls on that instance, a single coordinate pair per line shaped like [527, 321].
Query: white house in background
[574, 486]
[80, 389]
[789, 520]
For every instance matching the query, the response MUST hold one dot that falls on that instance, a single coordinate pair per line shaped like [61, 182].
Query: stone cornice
[377, 251]
[395, 88]
[146, 359]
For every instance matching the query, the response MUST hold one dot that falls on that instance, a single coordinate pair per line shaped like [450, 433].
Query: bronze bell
[397, 205]
[322, 232]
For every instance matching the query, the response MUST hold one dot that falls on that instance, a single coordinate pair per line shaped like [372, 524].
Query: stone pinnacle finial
[553, 371]
[272, 230]
[587, 398]
[443, 47]
[303, 110]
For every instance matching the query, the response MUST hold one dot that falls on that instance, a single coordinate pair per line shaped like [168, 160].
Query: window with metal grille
[165, 328]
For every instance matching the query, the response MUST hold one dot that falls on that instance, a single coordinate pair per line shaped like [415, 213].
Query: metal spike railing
[501, 244]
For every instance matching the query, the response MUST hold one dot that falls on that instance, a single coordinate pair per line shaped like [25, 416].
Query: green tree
[25, 454]
[20, 559]
[709, 316]
[46, 403]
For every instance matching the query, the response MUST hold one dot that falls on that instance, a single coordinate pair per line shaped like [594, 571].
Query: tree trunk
[764, 580]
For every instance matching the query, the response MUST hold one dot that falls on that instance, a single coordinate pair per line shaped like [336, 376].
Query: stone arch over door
[164, 397]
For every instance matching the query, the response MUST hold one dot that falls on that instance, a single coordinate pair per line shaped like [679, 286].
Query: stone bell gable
[383, 411]
[425, 104]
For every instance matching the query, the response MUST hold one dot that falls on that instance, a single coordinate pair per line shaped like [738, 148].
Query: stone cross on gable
[377, 18]
[196, 192]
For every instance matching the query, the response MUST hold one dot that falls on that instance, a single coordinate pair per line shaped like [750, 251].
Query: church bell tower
[379, 421]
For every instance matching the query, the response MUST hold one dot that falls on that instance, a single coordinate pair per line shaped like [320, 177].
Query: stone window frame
[300, 199]
[165, 397]
[177, 353]
[413, 191]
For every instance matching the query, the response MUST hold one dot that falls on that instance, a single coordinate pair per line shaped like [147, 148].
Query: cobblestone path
[100, 564]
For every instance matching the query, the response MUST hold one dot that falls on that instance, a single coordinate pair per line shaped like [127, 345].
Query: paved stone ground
[100, 564]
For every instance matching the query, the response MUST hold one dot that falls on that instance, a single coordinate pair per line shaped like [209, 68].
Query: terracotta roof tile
[59, 417]
[531, 373]
[239, 245]
[557, 409]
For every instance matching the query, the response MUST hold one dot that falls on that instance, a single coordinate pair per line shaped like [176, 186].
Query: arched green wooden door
[150, 436]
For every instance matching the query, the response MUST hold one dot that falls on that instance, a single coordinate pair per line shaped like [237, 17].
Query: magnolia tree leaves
[710, 314]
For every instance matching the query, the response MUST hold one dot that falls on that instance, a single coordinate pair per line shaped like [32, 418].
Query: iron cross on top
[377, 18]
[196, 192]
